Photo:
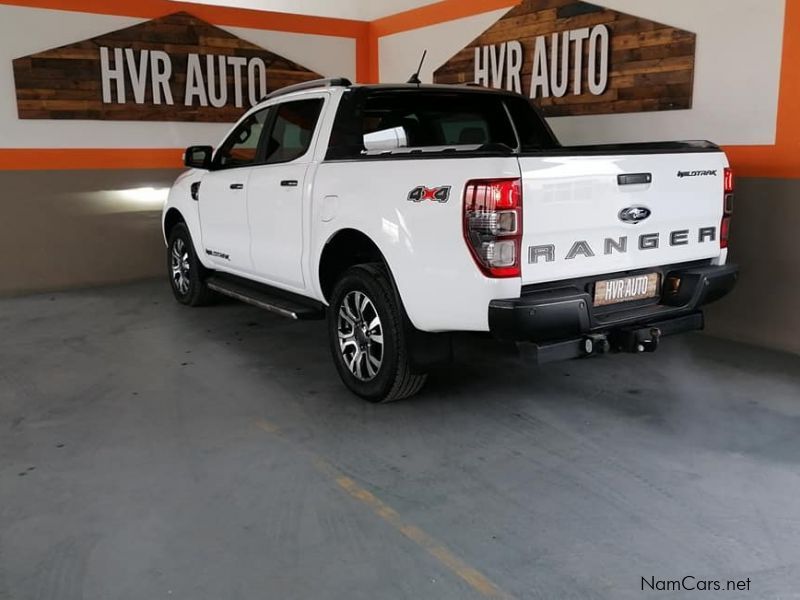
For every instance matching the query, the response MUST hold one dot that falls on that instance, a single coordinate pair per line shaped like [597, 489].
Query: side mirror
[198, 157]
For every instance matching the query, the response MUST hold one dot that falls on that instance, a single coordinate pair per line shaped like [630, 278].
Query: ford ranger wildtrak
[404, 213]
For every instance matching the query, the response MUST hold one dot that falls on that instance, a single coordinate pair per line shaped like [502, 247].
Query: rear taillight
[727, 207]
[493, 225]
[727, 182]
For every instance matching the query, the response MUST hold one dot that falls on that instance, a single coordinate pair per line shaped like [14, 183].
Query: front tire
[186, 274]
[367, 337]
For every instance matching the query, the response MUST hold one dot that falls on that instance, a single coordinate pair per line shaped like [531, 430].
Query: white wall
[399, 54]
[737, 71]
[363, 10]
[26, 31]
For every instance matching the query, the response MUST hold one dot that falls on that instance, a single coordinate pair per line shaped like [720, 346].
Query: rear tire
[367, 336]
[186, 273]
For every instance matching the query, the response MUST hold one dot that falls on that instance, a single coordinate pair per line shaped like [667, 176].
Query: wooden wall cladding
[67, 82]
[650, 65]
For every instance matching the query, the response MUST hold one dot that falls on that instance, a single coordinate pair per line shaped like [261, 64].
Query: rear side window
[292, 130]
[417, 119]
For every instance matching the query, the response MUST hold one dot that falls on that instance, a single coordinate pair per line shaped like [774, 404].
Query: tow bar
[645, 339]
[623, 339]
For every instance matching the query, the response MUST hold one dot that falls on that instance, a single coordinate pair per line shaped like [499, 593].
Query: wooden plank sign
[174, 68]
[577, 58]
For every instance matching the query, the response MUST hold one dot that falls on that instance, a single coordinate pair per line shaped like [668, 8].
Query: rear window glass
[440, 119]
[414, 119]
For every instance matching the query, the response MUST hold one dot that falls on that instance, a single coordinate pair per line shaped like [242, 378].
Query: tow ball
[648, 342]
[645, 339]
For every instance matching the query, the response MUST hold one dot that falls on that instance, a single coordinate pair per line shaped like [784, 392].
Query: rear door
[592, 214]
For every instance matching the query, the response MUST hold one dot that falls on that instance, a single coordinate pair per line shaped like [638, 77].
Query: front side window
[293, 130]
[241, 147]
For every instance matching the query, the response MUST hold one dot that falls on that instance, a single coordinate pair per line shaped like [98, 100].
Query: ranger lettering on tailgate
[646, 241]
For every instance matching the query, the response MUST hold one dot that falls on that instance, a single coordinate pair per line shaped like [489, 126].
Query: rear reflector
[724, 232]
[493, 225]
[728, 207]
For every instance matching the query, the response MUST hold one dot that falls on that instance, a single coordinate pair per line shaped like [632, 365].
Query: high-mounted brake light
[493, 225]
[727, 207]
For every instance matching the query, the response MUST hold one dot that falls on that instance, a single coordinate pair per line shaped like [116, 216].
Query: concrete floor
[152, 451]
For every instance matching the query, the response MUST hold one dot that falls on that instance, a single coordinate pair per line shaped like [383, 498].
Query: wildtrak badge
[697, 173]
[647, 241]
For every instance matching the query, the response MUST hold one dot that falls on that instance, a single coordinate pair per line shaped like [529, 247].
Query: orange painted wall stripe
[373, 42]
[218, 15]
[366, 60]
[58, 159]
[433, 14]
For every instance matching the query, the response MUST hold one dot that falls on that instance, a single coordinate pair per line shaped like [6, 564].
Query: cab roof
[343, 82]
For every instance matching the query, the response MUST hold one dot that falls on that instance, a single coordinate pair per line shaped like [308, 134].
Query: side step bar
[280, 302]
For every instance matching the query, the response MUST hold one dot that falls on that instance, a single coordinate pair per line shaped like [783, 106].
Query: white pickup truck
[404, 213]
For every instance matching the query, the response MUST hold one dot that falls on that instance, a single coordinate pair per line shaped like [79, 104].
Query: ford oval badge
[634, 214]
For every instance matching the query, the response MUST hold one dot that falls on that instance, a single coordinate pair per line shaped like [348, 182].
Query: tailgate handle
[634, 178]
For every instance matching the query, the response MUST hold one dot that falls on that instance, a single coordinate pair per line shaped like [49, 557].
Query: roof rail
[307, 85]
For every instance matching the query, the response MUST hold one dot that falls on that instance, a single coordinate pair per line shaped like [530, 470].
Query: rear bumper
[560, 317]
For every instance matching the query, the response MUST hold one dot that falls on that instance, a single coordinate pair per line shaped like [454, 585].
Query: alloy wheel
[360, 335]
[179, 264]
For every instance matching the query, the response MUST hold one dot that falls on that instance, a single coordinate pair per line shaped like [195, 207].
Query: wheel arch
[343, 249]
[348, 247]
[171, 218]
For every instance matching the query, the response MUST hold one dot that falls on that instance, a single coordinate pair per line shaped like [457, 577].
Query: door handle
[289, 183]
[237, 186]
[634, 178]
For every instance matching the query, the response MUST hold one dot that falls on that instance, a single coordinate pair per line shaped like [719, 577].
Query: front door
[223, 196]
[277, 195]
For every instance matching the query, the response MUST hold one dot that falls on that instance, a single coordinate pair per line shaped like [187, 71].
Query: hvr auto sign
[579, 58]
[173, 68]
[153, 69]
[501, 65]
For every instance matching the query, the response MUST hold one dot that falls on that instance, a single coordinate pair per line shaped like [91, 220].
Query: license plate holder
[627, 289]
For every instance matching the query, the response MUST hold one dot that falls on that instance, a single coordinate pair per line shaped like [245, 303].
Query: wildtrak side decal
[221, 255]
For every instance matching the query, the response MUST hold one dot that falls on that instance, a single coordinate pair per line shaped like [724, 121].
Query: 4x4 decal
[437, 194]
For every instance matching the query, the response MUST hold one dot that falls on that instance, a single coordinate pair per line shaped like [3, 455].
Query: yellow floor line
[267, 426]
[476, 580]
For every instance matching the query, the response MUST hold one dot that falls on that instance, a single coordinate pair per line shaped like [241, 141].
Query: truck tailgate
[592, 213]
